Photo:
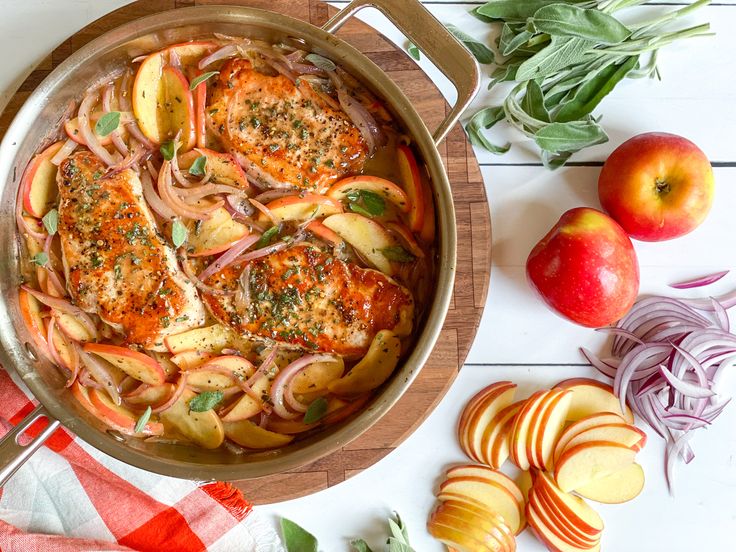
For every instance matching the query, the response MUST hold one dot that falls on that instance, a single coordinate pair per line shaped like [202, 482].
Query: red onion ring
[225, 52]
[153, 199]
[62, 305]
[265, 210]
[280, 382]
[64, 152]
[265, 365]
[227, 258]
[175, 394]
[100, 373]
[117, 140]
[88, 136]
[172, 200]
[199, 284]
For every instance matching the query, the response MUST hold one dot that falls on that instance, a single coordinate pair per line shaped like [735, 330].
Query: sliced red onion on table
[699, 282]
[669, 357]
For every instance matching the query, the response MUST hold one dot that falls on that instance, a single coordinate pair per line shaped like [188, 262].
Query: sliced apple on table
[150, 395]
[479, 533]
[210, 339]
[301, 208]
[495, 442]
[118, 417]
[624, 434]
[40, 182]
[137, 365]
[594, 420]
[222, 167]
[367, 236]
[550, 537]
[478, 414]
[574, 510]
[545, 429]
[163, 105]
[540, 516]
[249, 435]
[494, 476]
[373, 369]
[580, 465]
[203, 428]
[411, 178]
[592, 397]
[563, 524]
[209, 376]
[30, 310]
[215, 235]
[247, 406]
[521, 428]
[189, 360]
[386, 189]
[617, 488]
[459, 539]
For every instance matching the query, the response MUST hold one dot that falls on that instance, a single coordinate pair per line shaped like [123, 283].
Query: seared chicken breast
[304, 298]
[283, 133]
[116, 263]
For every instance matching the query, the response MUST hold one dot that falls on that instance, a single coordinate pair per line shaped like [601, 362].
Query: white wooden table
[519, 339]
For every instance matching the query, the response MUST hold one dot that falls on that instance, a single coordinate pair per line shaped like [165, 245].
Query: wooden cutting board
[474, 247]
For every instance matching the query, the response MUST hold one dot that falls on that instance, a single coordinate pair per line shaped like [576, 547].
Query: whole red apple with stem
[657, 186]
[585, 268]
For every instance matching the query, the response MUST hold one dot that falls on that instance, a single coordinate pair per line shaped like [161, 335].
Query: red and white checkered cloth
[71, 497]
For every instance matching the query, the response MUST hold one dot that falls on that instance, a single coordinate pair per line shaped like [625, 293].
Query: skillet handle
[434, 40]
[12, 454]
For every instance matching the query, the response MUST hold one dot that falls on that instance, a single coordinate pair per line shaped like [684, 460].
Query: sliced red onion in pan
[239, 205]
[280, 382]
[153, 199]
[178, 390]
[699, 282]
[200, 285]
[64, 152]
[265, 210]
[62, 305]
[263, 368]
[86, 130]
[117, 140]
[100, 372]
[225, 52]
[229, 256]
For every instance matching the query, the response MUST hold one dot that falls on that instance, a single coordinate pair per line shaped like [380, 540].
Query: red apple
[585, 268]
[658, 186]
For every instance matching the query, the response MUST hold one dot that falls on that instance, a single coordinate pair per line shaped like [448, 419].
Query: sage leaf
[366, 203]
[107, 123]
[143, 420]
[322, 62]
[554, 161]
[201, 78]
[178, 234]
[398, 254]
[398, 546]
[51, 221]
[207, 400]
[560, 53]
[359, 545]
[533, 102]
[485, 119]
[589, 95]
[570, 137]
[516, 42]
[513, 10]
[40, 259]
[168, 150]
[198, 167]
[413, 51]
[267, 237]
[475, 13]
[315, 411]
[297, 539]
[574, 21]
[480, 51]
[398, 529]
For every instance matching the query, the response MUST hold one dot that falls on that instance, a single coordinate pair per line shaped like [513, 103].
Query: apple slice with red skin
[213, 380]
[324, 233]
[150, 395]
[550, 421]
[200, 103]
[544, 506]
[594, 420]
[617, 488]
[30, 310]
[484, 472]
[81, 393]
[493, 402]
[472, 406]
[189, 360]
[71, 327]
[494, 446]
[301, 208]
[535, 509]
[222, 167]
[465, 510]
[521, 428]
[209, 339]
[164, 359]
[63, 349]
[71, 127]
[118, 417]
[480, 529]
[536, 427]
[592, 397]
[337, 411]
[39, 180]
[491, 494]
[137, 365]
[550, 538]
[570, 507]
[367, 236]
[624, 434]
[246, 407]
[457, 539]
[216, 234]
[584, 463]
[406, 237]
[427, 233]
[380, 186]
[411, 178]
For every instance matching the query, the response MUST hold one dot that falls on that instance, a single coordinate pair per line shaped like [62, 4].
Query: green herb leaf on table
[413, 51]
[267, 237]
[533, 102]
[297, 539]
[198, 167]
[398, 254]
[481, 52]
[40, 259]
[399, 539]
[178, 233]
[168, 150]
[574, 21]
[561, 52]
[51, 221]
[515, 11]
[486, 119]
[143, 420]
[107, 123]
[315, 411]
[570, 137]
[359, 545]
[202, 78]
[321, 62]
[207, 400]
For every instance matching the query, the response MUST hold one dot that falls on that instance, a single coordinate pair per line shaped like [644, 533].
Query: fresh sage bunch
[297, 539]
[565, 56]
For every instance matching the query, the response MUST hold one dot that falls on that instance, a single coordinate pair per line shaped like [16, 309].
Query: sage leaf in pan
[565, 57]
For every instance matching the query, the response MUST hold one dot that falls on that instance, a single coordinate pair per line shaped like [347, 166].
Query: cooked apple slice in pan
[203, 428]
[249, 435]
[373, 369]
[137, 365]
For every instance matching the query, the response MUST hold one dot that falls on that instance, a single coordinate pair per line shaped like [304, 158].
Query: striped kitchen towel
[71, 497]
